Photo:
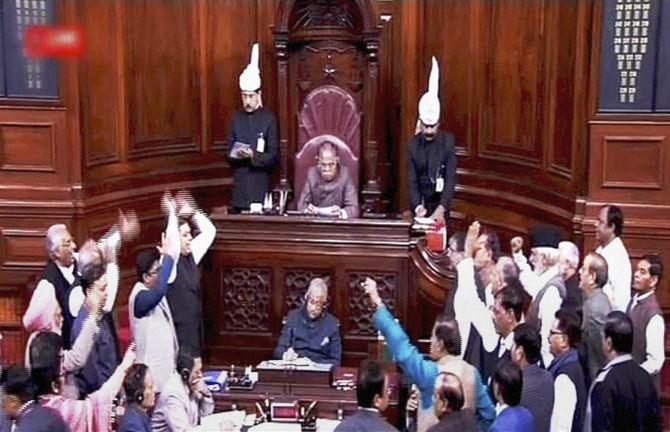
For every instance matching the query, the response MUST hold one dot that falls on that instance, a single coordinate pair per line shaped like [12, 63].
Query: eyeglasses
[318, 303]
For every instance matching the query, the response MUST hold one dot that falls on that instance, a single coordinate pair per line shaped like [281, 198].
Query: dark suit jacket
[365, 421]
[596, 307]
[252, 176]
[319, 339]
[517, 419]
[623, 399]
[458, 421]
[427, 159]
[41, 419]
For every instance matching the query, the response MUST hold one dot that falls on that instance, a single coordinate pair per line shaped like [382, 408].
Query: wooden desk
[259, 268]
[331, 401]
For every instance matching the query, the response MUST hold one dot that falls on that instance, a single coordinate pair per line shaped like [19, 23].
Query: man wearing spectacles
[570, 391]
[311, 331]
[329, 190]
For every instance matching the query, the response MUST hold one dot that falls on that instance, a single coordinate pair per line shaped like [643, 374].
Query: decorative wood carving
[325, 13]
[328, 42]
[360, 308]
[246, 299]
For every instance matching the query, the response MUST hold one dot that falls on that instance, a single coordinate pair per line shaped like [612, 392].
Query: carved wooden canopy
[328, 44]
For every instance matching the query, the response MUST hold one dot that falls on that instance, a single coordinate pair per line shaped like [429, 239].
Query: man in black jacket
[432, 158]
[622, 397]
[252, 140]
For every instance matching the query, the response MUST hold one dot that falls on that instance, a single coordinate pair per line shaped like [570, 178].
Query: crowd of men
[537, 343]
[557, 346]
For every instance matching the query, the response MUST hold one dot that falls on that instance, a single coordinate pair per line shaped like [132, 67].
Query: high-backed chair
[329, 113]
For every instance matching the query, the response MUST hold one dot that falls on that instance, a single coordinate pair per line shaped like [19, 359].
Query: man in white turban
[252, 140]
[431, 158]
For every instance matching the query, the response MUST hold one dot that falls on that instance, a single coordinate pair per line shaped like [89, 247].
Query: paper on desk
[423, 220]
[213, 421]
[303, 364]
[326, 425]
[276, 427]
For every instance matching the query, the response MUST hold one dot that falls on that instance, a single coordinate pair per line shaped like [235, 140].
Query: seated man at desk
[329, 190]
[310, 331]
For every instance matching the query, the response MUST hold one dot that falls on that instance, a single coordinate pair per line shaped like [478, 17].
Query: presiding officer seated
[310, 331]
[329, 190]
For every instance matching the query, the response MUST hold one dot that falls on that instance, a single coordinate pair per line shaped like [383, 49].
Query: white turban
[429, 104]
[250, 78]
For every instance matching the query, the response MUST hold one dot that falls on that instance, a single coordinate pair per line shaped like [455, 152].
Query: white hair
[317, 284]
[53, 237]
[551, 254]
[569, 250]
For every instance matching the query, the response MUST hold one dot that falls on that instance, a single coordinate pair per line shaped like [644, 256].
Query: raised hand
[129, 357]
[471, 239]
[168, 203]
[370, 287]
[185, 203]
[129, 225]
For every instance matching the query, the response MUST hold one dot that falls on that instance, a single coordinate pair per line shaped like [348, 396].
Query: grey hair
[550, 254]
[508, 268]
[316, 283]
[569, 250]
[53, 235]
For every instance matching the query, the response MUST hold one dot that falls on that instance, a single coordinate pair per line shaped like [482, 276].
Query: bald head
[448, 394]
[327, 161]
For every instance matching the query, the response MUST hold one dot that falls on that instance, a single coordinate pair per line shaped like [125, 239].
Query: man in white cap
[432, 158]
[252, 140]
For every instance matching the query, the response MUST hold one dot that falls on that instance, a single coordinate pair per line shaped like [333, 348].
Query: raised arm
[201, 243]
[420, 371]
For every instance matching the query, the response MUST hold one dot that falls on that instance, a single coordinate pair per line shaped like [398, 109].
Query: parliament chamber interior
[334, 215]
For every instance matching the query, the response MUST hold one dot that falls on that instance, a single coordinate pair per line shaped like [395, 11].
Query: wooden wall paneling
[514, 102]
[629, 164]
[410, 44]
[163, 118]
[230, 30]
[389, 101]
[101, 82]
[446, 25]
[34, 152]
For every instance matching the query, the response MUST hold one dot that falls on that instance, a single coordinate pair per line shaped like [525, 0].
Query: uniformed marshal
[253, 141]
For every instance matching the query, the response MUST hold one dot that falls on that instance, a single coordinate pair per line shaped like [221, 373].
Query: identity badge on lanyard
[260, 143]
[439, 180]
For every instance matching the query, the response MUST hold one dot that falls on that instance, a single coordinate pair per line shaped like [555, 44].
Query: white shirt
[506, 344]
[469, 309]
[619, 273]
[500, 407]
[550, 303]
[655, 333]
[565, 401]
[201, 243]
